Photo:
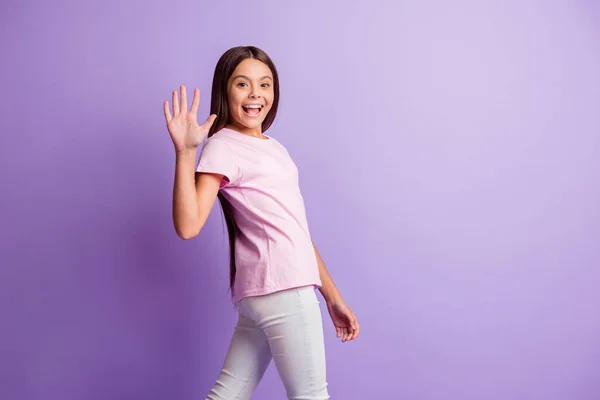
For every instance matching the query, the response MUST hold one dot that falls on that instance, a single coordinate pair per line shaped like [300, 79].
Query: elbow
[187, 233]
[189, 227]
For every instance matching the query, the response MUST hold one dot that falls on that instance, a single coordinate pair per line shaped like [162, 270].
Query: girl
[274, 266]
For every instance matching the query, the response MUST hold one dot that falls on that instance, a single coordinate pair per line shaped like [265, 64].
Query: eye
[265, 85]
[241, 84]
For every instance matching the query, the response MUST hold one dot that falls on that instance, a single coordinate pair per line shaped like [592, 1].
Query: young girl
[274, 265]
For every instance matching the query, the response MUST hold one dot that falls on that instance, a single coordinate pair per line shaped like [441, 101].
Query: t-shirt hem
[271, 289]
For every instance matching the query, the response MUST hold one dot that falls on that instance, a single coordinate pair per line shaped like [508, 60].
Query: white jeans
[285, 326]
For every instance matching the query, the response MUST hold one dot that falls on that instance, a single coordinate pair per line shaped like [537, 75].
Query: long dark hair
[220, 106]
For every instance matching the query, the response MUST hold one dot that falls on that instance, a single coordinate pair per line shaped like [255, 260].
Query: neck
[255, 132]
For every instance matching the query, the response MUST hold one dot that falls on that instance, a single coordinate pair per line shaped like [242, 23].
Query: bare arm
[345, 321]
[330, 292]
[194, 195]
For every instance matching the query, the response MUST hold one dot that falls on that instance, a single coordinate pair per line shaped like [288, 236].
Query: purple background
[449, 159]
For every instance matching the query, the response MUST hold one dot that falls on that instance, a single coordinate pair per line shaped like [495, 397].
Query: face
[250, 95]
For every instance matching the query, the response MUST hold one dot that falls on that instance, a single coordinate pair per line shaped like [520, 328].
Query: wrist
[186, 152]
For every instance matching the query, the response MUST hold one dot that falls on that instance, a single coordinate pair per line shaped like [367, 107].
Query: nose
[254, 94]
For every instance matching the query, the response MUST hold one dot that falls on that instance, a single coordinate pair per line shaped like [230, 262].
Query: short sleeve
[218, 158]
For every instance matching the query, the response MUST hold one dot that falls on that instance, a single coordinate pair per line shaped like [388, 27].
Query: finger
[357, 331]
[184, 107]
[355, 326]
[338, 331]
[345, 331]
[210, 120]
[354, 322]
[350, 333]
[196, 102]
[175, 104]
[168, 116]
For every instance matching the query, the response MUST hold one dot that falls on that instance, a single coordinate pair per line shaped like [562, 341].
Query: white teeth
[253, 106]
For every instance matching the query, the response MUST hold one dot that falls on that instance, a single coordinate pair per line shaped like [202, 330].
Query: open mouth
[253, 110]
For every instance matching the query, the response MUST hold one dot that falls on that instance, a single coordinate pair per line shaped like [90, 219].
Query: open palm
[183, 125]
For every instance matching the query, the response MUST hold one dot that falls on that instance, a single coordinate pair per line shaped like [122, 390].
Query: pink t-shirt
[273, 249]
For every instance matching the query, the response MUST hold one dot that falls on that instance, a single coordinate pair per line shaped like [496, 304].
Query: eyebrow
[245, 77]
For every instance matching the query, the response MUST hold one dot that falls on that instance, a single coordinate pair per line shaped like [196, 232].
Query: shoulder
[219, 146]
[278, 144]
[218, 139]
[225, 138]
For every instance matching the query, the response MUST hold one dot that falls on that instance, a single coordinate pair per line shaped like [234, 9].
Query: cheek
[235, 108]
[233, 98]
[270, 97]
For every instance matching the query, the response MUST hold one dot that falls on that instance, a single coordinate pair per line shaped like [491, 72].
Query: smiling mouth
[253, 110]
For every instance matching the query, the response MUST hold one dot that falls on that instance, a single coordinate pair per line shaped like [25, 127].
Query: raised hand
[183, 124]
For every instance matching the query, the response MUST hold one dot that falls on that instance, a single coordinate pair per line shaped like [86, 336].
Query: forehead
[252, 68]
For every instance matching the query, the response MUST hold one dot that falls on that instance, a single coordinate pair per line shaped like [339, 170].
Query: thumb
[353, 320]
[210, 120]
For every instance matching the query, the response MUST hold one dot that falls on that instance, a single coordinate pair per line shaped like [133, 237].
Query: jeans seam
[307, 347]
[251, 378]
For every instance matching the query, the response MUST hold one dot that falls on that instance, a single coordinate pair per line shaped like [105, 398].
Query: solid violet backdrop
[448, 156]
